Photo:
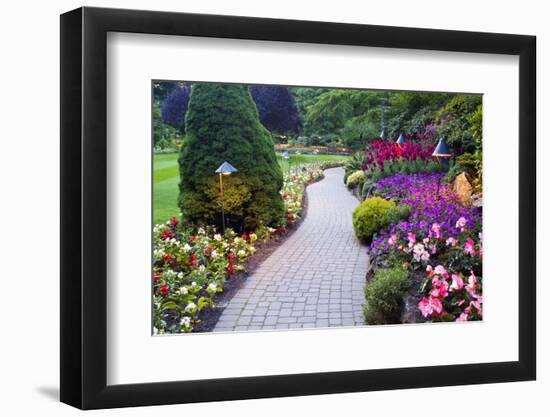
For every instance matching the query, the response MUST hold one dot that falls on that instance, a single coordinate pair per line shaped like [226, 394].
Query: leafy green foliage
[397, 213]
[456, 123]
[471, 163]
[355, 163]
[384, 296]
[370, 216]
[222, 124]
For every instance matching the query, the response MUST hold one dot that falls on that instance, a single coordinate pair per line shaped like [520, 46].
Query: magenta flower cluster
[381, 152]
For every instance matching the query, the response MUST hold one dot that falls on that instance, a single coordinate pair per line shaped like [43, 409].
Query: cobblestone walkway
[315, 278]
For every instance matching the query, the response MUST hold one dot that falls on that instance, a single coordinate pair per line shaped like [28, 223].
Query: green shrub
[222, 124]
[370, 216]
[356, 179]
[455, 122]
[397, 213]
[384, 296]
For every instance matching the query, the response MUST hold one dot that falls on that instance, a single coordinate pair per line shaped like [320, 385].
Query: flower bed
[191, 266]
[442, 237]
[381, 153]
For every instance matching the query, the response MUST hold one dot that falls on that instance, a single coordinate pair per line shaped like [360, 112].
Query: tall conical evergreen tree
[222, 124]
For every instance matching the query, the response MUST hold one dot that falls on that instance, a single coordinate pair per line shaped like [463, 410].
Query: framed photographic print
[256, 208]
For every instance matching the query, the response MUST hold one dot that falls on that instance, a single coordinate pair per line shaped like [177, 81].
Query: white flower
[217, 237]
[214, 254]
[241, 253]
[185, 322]
[183, 290]
[190, 307]
[193, 284]
[155, 331]
[186, 247]
[212, 287]
[201, 231]
[201, 268]
[180, 275]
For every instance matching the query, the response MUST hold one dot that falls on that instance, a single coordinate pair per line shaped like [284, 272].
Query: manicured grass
[165, 187]
[166, 180]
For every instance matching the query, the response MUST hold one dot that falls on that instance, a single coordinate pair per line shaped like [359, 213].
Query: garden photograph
[292, 207]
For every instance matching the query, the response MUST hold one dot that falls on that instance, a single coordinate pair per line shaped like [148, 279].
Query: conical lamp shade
[226, 168]
[441, 150]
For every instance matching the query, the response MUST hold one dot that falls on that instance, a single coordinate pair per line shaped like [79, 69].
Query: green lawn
[166, 180]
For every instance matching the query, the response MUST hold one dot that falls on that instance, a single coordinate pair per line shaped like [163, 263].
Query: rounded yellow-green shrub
[355, 179]
[370, 216]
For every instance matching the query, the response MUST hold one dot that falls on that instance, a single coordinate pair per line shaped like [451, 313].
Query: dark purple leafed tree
[174, 106]
[277, 109]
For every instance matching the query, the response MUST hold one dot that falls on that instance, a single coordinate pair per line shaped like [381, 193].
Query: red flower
[164, 289]
[166, 234]
[244, 236]
[192, 238]
[192, 262]
[167, 257]
[174, 221]
[230, 268]
[157, 276]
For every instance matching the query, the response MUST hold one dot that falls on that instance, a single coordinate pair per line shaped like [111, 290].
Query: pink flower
[477, 305]
[462, 317]
[429, 270]
[428, 306]
[439, 288]
[469, 247]
[392, 240]
[457, 284]
[412, 239]
[451, 241]
[440, 270]
[472, 285]
[436, 227]
[419, 253]
[461, 223]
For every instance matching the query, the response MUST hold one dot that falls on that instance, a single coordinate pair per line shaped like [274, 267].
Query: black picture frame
[84, 207]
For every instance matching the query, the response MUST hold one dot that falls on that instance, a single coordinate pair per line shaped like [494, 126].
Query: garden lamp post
[441, 153]
[224, 169]
[287, 156]
[400, 140]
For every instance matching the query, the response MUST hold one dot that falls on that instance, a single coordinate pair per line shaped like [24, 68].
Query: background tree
[174, 106]
[455, 122]
[277, 109]
[161, 89]
[223, 125]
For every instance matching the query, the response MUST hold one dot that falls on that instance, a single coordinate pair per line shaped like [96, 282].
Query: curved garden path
[315, 278]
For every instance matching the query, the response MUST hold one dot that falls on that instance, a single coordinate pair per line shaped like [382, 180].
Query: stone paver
[315, 278]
